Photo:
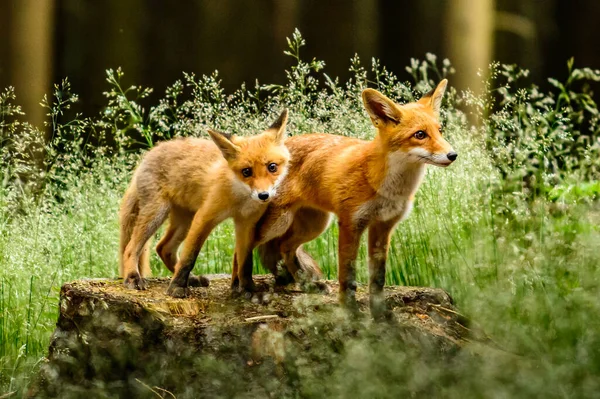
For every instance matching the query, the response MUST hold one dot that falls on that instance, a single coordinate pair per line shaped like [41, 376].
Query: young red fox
[367, 184]
[199, 183]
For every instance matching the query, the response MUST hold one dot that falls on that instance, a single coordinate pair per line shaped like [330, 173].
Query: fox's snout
[263, 196]
[438, 158]
[443, 159]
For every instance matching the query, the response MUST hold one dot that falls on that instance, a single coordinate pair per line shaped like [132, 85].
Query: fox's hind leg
[270, 257]
[149, 219]
[127, 217]
[308, 224]
[144, 265]
[179, 224]
[205, 220]
[180, 221]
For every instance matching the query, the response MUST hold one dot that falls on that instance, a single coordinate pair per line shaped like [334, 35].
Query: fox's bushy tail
[128, 215]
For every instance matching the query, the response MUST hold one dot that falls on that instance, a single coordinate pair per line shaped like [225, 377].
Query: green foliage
[535, 138]
[510, 229]
[123, 114]
[575, 192]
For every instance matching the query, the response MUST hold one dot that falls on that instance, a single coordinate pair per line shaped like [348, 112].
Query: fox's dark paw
[256, 297]
[316, 287]
[248, 292]
[135, 282]
[177, 292]
[260, 297]
[238, 291]
[198, 281]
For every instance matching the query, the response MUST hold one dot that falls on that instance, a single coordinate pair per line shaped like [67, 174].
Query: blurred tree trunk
[32, 31]
[469, 40]
[285, 18]
[215, 31]
[124, 36]
[4, 44]
[366, 31]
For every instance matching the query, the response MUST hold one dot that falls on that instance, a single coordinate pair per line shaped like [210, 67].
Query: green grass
[521, 263]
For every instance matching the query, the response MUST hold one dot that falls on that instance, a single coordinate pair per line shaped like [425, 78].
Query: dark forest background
[155, 40]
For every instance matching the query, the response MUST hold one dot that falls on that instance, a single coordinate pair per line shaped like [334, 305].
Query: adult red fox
[198, 183]
[366, 184]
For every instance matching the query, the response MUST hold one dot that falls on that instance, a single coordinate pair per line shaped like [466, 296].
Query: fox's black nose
[263, 196]
[452, 155]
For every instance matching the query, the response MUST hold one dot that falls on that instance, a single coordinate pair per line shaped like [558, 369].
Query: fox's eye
[420, 135]
[272, 167]
[247, 172]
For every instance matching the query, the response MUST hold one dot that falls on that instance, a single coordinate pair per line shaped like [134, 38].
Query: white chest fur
[244, 204]
[384, 209]
[395, 195]
[251, 207]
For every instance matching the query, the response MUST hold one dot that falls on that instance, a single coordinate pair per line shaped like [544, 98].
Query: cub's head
[258, 162]
[412, 129]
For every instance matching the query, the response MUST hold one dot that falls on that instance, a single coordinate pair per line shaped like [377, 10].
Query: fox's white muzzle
[442, 160]
[263, 196]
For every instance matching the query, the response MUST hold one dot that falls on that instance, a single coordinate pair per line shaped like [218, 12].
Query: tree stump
[115, 342]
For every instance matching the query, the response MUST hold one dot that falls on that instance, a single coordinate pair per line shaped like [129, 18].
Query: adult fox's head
[258, 162]
[412, 129]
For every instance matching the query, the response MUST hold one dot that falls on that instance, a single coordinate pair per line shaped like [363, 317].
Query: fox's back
[180, 156]
[180, 169]
[324, 166]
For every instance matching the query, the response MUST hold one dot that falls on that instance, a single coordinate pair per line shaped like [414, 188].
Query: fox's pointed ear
[223, 141]
[434, 97]
[381, 109]
[278, 127]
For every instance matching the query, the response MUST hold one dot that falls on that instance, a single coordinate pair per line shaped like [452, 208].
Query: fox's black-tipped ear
[381, 109]
[278, 127]
[223, 141]
[434, 97]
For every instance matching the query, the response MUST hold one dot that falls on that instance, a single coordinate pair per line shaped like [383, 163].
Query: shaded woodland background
[154, 41]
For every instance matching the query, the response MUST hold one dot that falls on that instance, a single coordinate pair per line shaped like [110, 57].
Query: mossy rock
[115, 342]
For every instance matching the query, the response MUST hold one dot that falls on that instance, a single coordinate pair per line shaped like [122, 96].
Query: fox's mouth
[435, 160]
[260, 201]
[441, 160]
[444, 164]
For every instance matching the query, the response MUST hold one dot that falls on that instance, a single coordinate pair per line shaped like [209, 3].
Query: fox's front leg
[379, 242]
[235, 280]
[349, 241]
[201, 227]
[242, 261]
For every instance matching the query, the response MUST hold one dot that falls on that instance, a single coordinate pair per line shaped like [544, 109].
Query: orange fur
[199, 183]
[367, 184]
